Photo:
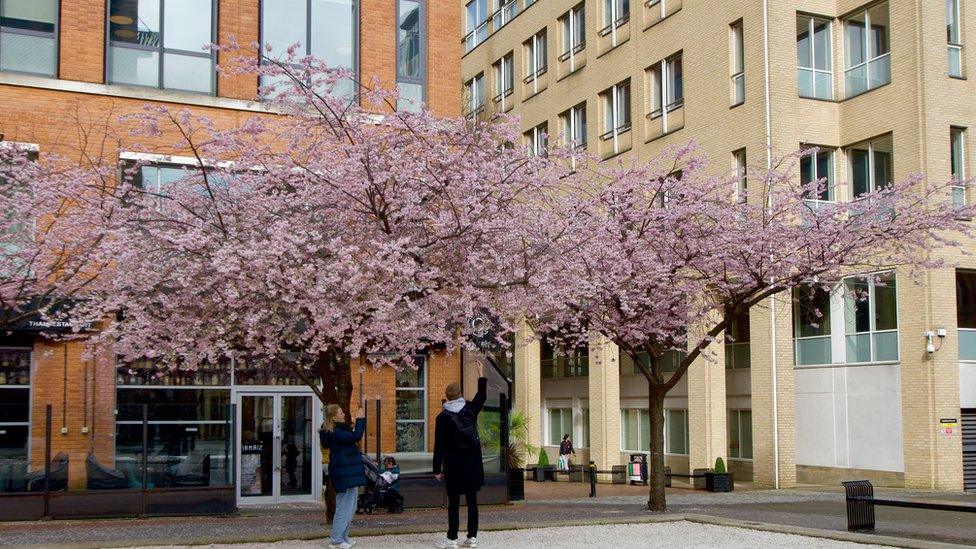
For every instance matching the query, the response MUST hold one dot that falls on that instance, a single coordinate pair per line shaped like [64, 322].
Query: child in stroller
[382, 487]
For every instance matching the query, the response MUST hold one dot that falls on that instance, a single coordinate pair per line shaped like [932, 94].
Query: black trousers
[454, 512]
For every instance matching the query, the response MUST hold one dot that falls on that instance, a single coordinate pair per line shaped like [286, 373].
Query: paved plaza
[620, 536]
[815, 512]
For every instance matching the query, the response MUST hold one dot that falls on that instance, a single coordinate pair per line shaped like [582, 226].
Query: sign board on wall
[948, 426]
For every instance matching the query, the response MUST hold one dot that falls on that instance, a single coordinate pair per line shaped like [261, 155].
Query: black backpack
[466, 432]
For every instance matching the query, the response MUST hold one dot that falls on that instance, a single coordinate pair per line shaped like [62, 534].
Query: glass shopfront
[15, 391]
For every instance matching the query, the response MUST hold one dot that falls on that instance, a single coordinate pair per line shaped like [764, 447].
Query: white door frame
[277, 392]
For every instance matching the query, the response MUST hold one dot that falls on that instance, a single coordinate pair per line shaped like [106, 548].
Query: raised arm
[341, 435]
[478, 402]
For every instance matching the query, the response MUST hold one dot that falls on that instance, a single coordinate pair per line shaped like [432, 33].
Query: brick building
[68, 69]
[882, 88]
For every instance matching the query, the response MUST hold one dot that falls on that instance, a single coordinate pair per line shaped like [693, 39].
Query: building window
[867, 55]
[814, 77]
[28, 36]
[740, 434]
[871, 319]
[954, 37]
[411, 54]
[161, 44]
[536, 62]
[741, 181]
[15, 392]
[616, 111]
[326, 29]
[584, 441]
[737, 350]
[560, 423]
[615, 14]
[574, 35]
[507, 9]
[537, 139]
[738, 63]
[966, 314]
[871, 165]
[475, 90]
[666, 86]
[411, 407]
[958, 163]
[811, 326]
[818, 167]
[574, 126]
[676, 431]
[504, 80]
[476, 19]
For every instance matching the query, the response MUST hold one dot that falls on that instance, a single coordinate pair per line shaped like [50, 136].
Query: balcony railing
[565, 367]
[737, 356]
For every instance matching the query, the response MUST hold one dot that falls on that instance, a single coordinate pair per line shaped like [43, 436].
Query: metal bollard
[592, 479]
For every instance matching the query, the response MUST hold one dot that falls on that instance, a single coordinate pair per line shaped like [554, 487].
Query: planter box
[539, 473]
[718, 482]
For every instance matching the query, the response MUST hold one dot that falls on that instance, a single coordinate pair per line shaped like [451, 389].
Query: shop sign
[948, 426]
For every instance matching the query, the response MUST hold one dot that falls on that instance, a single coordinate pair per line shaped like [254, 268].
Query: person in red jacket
[457, 458]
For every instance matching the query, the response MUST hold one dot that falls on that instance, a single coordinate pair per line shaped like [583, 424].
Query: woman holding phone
[346, 470]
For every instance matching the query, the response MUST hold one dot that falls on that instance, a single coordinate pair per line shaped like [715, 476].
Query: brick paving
[549, 504]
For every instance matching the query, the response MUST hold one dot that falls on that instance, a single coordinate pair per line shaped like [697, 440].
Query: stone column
[604, 395]
[773, 431]
[528, 382]
[707, 415]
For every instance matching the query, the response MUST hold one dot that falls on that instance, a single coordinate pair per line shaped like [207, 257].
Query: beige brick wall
[604, 399]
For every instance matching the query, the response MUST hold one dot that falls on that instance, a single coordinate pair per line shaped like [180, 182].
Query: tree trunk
[655, 467]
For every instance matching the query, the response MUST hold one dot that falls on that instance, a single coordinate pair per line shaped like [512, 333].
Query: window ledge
[739, 104]
[847, 364]
[821, 99]
[131, 92]
[958, 77]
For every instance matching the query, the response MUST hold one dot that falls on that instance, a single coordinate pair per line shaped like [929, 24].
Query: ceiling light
[121, 19]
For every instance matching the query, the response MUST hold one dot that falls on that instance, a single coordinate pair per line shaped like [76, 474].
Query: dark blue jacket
[345, 462]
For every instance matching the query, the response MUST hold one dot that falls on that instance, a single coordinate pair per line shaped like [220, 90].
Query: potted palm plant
[718, 480]
[518, 448]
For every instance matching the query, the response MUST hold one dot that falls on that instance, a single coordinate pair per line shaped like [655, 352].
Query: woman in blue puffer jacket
[346, 472]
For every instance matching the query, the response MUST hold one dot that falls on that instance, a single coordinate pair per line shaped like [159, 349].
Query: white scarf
[455, 405]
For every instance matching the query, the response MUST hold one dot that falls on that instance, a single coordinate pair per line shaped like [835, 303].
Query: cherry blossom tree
[331, 227]
[663, 257]
[46, 239]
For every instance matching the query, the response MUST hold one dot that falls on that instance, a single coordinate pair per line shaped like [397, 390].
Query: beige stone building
[885, 389]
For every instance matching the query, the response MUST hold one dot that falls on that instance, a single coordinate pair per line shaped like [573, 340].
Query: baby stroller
[380, 492]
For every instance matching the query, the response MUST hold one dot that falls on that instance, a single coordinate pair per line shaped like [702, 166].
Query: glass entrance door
[276, 447]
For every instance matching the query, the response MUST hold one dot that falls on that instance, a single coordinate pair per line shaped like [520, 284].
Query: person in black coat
[457, 458]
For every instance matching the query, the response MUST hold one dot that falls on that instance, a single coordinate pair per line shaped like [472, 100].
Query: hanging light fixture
[125, 33]
[119, 19]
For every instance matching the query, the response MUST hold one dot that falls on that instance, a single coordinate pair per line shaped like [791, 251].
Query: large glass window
[506, 10]
[15, 387]
[560, 423]
[537, 139]
[966, 313]
[162, 44]
[536, 60]
[871, 319]
[504, 80]
[741, 181]
[740, 434]
[871, 165]
[814, 77]
[556, 363]
[954, 37]
[868, 60]
[811, 326]
[616, 111]
[957, 149]
[667, 90]
[737, 63]
[411, 407]
[818, 166]
[574, 125]
[475, 90]
[615, 13]
[635, 428]
[28, 36]
[411, 54]
[574, 35]
[324, 28]
[476, 21]
[737, 350]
